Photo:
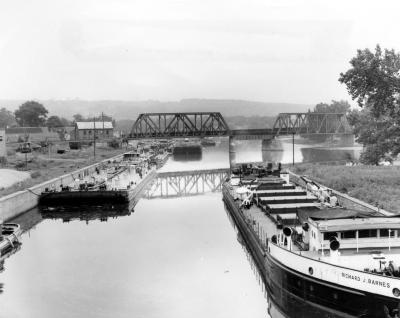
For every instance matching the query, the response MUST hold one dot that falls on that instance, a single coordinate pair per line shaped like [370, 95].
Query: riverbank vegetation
[374, 82]
[377, 185]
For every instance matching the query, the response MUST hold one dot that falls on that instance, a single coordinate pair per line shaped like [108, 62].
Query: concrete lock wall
[22, 201]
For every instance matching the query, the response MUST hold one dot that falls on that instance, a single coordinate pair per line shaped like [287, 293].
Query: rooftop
[358, 224]
[97, 125]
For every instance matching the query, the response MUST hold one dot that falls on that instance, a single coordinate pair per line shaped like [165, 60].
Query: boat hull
[87, 197]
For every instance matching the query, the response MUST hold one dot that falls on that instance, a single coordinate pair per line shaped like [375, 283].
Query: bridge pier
[232, 152]
[272, 150]
[347, 140]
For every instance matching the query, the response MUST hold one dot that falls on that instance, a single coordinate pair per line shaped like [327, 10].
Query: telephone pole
[94, 137]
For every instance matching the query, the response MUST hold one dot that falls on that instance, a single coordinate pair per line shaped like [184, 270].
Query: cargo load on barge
[115, 182]
[315, 255]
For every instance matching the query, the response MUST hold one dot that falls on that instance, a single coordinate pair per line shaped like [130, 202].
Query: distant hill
[130, 109]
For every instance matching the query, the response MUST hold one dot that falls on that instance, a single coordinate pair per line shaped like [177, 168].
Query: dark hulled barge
[116, 182]
[317, 258]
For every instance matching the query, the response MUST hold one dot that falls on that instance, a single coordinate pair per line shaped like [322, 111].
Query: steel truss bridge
[311, 123]
[175, 125]
[186, 183]
[212, 124]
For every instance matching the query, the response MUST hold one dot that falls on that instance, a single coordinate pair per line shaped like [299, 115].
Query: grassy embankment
[43, 168]
[379, 186]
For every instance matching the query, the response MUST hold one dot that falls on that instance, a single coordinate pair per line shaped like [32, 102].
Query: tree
[7, 118]
[65, 122]
[78, 117]
[374, 82]
[31, 114]
[54, 121]
[104, 117]
[341, 106]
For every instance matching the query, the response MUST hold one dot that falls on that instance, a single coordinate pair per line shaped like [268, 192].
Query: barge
[9, 237]
[122, 187]
[208, 142]
[316, 257]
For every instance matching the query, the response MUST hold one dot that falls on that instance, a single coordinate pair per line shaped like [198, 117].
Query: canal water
[176, 256]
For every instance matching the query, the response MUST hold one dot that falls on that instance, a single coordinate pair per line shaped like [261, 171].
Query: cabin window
[329, 235]
[367, 233]
[349, 235]
[84, 132]
[384, 232]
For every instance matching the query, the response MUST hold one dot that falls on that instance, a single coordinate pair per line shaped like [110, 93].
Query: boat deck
[361, 260]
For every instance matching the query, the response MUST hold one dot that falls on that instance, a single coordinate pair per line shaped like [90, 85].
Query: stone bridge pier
[272, 150]
[347, 140]
[232, 152]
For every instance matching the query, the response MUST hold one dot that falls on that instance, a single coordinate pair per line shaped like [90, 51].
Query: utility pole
[293, 148]
[102, 119]
[94, 137]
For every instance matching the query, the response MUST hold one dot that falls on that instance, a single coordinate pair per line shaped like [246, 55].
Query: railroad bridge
[212, 124]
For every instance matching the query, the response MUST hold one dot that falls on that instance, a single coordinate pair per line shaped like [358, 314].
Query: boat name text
[366, 280]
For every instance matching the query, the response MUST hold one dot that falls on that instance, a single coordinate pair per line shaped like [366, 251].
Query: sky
[263, 50]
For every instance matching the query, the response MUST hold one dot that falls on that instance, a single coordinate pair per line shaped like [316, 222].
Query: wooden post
[94, 137]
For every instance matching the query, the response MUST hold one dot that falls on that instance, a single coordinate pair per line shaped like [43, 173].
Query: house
[86, 130]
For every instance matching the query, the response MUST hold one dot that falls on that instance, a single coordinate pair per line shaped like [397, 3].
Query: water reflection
[272, 150]
[187, 151]
[187, 156]
[186, 183]
[6, 254]
[281, 150]
[171, 258]
[327, 154]
[86, 213]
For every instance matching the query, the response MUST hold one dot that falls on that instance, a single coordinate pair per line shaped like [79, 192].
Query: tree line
[34, 114]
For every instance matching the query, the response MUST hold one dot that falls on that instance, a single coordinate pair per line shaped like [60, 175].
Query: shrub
[114, 143]
[35, 174]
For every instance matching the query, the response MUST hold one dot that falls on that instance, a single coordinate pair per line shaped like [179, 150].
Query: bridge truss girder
[179, 125]
[311, 123]
[190, 183]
